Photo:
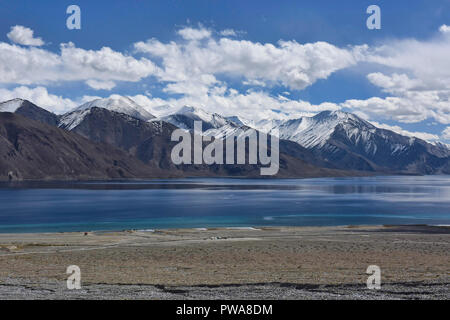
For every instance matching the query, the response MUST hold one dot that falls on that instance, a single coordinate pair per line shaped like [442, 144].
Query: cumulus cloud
[192, 69]
[395, 83]
[40, 97]
[253, 105]
[425, 60]
[100, 85]
[416, 76]
[287, 63]
[410, 108]
[421, 135]
[188, 69]
[24, 36]
[19, 65]
[201, 66]
[228, 33]
[444, 28]
[194, 34]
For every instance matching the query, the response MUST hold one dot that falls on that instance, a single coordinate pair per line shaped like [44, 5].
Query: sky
[255, 59]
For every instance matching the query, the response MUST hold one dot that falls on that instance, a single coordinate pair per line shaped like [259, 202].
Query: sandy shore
[275, 262]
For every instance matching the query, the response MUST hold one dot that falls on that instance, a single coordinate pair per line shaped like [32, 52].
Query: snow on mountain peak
[119, 104]
[72, 119]
[211, 120]
[213, 124]
[236, 120]
[314, 131]
[194, 111]
[338, 116]
[11, 105]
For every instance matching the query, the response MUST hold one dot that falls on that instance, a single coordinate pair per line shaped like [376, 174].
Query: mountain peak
[194, 110]
[12, 105]
[29, 110]
[119, 104]
[184, 118]
[197, 113]
[337, 115]
[236, 120]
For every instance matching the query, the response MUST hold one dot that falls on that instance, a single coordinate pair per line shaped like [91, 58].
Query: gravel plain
[228, 263]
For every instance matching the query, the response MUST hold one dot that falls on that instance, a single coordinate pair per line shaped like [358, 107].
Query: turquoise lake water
[186, 203]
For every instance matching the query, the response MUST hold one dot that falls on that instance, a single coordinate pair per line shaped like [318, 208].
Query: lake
[211, 202]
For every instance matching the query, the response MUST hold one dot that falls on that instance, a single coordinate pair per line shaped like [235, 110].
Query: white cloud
[421, 135]
[396, 83]
[426, 60]
[194, 34]
[410, 108]
[24, 36]
[444, 28]
[191, 68]
[416, 75]
[200, 68]
[228, 33]
[446, 134]
[253, 105]
[19, 65]
[254, 83]
[288, 63]
[100, 85]
[40, 97]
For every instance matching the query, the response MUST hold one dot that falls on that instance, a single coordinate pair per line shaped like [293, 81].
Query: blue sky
[391, 67]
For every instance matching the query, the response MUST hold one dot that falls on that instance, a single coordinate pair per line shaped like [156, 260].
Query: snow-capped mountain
[29, 110]
[341, 139]
[444, 147]
[71, 120]
[185, 117]
[213, 124]
[351, 142]
[332, 139]
[312, 132]
[114, 103]
[236, 120]
[11, 105]
[119, 104]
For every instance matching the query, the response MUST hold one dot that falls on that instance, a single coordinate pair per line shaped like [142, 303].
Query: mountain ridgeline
[349, 142]
[115, 138]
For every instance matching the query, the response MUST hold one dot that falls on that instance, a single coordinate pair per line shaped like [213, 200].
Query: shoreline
[258, 263]
[358, 174]
[206, 228]
[343, 174]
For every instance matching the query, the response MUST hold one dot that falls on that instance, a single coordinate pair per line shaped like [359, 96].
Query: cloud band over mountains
[220, 72]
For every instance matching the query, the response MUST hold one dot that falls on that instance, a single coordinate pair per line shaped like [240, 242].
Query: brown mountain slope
[151, 143]
[33, 150]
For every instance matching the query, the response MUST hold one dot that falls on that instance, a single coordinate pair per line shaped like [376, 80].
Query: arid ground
[259, 263]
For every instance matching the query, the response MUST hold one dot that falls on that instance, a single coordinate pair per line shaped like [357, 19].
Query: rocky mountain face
[118, 104]
[98, 143]
[221, 127]
[150, 141]
[349, 142]
[31, 149]
[29, 110]
[332, 143]
[213, 124]
[333, 139]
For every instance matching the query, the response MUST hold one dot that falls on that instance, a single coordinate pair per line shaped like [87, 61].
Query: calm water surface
[53, 207]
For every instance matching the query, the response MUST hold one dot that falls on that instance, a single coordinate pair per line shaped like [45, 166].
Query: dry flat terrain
[275, 262]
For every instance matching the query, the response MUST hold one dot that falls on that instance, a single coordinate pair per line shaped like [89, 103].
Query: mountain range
[337, 139]
[115, 138]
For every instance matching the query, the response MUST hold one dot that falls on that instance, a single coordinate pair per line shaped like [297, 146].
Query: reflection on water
[80, 206]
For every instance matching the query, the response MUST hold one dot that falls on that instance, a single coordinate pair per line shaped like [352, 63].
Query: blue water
[54, 207]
